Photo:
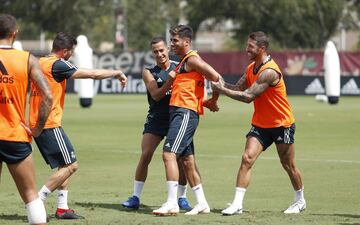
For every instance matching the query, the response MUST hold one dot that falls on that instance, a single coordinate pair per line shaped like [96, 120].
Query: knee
[187, 163]
[247, 161]
[288, 166]
[73, 167]
[169, 157]
[146, 157]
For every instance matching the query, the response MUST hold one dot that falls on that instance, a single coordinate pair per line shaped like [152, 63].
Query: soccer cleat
[167, 209]
[67, 214]
[232, 210]
[133, 202]
[199, 208]
[184, 204]
[296, 207]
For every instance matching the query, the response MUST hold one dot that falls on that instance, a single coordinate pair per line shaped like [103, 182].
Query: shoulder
[193, 60]
[62, 64]
[62, 70]
[173, 64]
[269, 75]
[152, 68]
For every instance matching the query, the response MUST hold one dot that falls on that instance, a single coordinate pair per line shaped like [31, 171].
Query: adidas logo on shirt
[159, 80]
[350, 88]
[315, 87]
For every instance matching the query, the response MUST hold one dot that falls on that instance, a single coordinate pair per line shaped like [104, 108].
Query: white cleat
[232, 210]
[167, 209]
[199, 208]
[296, 207]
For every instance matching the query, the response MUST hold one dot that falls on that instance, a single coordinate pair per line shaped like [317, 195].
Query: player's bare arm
[200, 66]
[239, 86]
[39, 80]
[266, 79]
[156, 93]
[98, 74]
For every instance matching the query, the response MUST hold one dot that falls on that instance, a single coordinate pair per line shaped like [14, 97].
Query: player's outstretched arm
[99, 74]
[266, 78]
[151, 85]
[39, 80]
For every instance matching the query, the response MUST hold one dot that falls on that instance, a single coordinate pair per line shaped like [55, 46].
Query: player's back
[14, 67]
[58, 91]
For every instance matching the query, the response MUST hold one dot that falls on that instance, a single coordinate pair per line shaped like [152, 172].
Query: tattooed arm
[267, 78]
[239, 86]
[39, 80]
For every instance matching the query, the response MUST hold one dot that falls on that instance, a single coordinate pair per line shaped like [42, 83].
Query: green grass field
[107, 139]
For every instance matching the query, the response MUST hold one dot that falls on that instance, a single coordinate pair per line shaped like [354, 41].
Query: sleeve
[63, 70]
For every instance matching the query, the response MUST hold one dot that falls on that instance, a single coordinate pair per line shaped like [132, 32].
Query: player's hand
[27, 129]
[35, 132]
[211, 104]
[122, 78]
[218, 86]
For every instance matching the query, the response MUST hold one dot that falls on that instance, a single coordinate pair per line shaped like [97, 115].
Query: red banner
[291, 63]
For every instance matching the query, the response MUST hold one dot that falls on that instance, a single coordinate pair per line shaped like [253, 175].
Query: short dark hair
[7, 25]
[157, 39]
[182, 31]
[261, 38]
[63, 41]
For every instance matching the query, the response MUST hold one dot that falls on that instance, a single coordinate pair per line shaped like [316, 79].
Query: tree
[146, 19]
[290, 23]
[73, 16]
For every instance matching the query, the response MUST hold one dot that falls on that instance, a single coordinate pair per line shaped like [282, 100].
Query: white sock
[138, 186]
[182, 191]
[239, 197]
[199, 194]
[44, 193]
[62, 199]
[172, 187]
[299, 195]
[36, 211]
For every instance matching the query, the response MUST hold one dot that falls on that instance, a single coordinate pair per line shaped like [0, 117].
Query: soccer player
[16, 67]
[272, 120]
[157, 121]
[186, 104]
[53, 143]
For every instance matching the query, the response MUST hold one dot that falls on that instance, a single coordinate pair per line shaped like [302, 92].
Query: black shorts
[157, 123]
[55, 147]
[279, 135]
[183, 124]
[12, 152]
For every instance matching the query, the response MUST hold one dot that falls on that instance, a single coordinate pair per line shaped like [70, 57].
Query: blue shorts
[183, 124]
[157, 123]
[55, 147]
[279, 135]
[12, 152]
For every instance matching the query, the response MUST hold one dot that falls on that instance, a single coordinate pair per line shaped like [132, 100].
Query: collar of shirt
[5, 46]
